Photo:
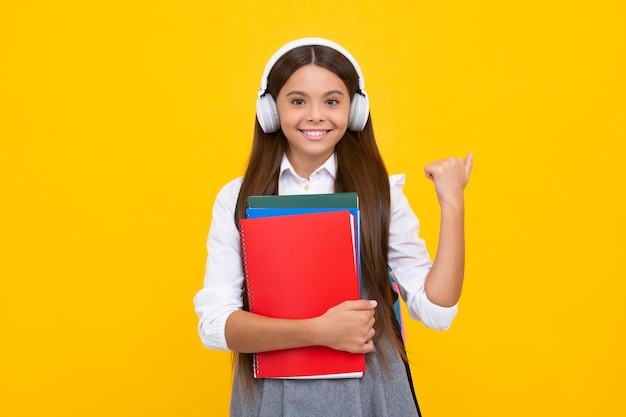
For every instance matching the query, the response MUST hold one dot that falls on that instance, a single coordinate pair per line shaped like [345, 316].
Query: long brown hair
[360, 169]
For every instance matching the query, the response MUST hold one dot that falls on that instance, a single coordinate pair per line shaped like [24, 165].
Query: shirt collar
[329, 166]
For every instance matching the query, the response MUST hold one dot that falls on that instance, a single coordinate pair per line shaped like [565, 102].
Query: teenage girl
[313, 134]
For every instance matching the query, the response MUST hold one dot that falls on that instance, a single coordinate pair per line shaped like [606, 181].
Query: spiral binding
[244, 265]
[255, 364]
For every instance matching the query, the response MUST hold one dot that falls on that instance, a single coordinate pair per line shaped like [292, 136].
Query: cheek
[287, 119]
[342, 118]
[286, 113]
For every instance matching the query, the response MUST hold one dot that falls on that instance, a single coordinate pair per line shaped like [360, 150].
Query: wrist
[453, 205]
[311, 333]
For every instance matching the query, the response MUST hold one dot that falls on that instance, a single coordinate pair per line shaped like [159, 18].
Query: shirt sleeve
[223, 279]
[410, 262]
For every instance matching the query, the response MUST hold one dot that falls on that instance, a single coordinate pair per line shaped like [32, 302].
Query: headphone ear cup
[359, 112]
[267, 113]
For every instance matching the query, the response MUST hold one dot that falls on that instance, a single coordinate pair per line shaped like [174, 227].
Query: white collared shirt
[224, 280]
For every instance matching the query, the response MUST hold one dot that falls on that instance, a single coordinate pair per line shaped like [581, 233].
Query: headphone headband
[308, 42]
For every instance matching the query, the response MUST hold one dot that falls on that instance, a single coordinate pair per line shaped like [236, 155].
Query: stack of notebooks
[301, 257]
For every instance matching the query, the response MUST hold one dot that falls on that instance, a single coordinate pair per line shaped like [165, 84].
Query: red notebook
[297, 267]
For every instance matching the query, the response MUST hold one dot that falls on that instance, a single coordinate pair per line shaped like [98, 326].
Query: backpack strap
[400, 331]
[395, 292]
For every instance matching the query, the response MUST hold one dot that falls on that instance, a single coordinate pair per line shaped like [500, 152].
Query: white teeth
[314, 132]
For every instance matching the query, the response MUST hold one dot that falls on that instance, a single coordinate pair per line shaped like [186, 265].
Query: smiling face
[313, 106]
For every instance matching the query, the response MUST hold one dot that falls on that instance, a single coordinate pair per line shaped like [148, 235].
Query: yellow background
[120, 121]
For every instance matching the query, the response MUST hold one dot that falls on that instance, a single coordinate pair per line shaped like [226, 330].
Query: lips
[315, 134]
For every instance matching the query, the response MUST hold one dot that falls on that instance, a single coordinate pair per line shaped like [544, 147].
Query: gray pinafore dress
[380, 393]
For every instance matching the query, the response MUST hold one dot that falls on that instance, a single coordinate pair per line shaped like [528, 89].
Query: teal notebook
[335, 200]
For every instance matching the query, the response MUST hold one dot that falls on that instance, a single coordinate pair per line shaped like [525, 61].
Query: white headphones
[266, 111]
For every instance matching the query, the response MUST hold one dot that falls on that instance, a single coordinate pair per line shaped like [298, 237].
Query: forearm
[348, 326]
[247, 333]
[445, 280]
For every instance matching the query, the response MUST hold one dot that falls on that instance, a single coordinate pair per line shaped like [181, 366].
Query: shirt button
[306, 187]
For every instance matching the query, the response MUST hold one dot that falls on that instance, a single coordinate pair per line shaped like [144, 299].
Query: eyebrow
[302, 93]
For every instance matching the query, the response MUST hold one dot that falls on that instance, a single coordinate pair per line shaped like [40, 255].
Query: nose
[316, 113]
